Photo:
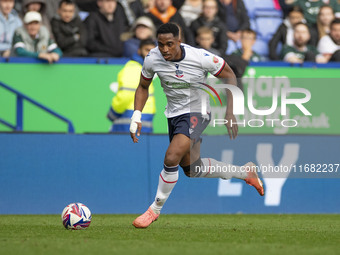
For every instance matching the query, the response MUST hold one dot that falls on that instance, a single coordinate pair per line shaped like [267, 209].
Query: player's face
[145, 50]
[107, 6]
[301, 35]
[33, 28]
[335, 33]
[169, 46]
[326, 16]
[6, 6]
[66, 12]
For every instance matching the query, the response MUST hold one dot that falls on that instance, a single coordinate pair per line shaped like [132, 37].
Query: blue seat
[267, 4]
[253, 24]
[267, 26]
[261, 47]
[250, 8]
[232, 46]
[268, 13]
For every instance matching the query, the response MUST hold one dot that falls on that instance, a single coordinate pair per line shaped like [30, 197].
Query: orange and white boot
[145, 219]
[252, 178]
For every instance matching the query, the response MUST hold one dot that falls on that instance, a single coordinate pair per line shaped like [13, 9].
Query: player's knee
[171, 159]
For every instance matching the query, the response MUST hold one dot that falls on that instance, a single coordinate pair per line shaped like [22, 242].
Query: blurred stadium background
[46, 163]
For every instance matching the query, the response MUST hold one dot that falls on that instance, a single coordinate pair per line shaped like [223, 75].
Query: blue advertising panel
[42, 173]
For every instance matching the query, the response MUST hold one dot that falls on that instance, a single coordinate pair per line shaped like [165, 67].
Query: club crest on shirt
[179, 73]
[215, 59]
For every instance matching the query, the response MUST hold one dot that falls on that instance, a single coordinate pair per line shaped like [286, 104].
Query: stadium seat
[83, 15]
[266, 4]
[232, 46]
[261, 47]
[267, 26]
[268, 13]
[250, 8]
[253, 24]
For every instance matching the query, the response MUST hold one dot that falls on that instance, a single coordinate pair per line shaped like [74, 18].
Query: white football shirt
[181, 79]
[327, 46]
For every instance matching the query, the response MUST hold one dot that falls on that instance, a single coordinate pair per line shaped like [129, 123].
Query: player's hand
[231, 125]
[136, 125]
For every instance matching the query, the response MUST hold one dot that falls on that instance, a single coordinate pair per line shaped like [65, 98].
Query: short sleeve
[211, 63]
[325, 45]
[147, 71]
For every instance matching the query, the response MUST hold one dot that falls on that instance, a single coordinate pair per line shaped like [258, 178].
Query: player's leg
[179, 146]
[211, 168]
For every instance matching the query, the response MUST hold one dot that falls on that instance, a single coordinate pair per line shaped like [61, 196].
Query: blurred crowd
[50, 29]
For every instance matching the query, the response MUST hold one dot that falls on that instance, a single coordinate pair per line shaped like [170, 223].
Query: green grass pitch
[174, 234]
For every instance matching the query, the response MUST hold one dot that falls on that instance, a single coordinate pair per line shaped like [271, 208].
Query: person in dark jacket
[69, 31]
[209, 19]
[235, 16]
[104, 29]
[164, 12]
[285, 33]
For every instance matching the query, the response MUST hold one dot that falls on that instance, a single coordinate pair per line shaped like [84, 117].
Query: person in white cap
[34, 40]
[142, 29]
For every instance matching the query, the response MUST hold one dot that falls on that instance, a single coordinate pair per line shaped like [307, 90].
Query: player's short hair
[335, 22]
[168, 28]
[148, 41]
[204, 30]
[249, 31]
[66, 2]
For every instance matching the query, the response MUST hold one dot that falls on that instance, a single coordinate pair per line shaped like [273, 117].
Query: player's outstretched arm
[227, 76]
[141, 96]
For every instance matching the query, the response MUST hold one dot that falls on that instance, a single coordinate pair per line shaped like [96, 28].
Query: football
[76, 216]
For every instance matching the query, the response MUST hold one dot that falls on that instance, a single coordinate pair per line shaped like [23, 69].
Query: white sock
[167, 181]
[211, 168]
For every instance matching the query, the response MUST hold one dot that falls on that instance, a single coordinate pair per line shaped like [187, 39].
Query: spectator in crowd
[122, 106]
[9, 22]
[310, 9]
[301, 51]
[285, 32]
[209, 19]
[286, 6]
[329, 45]
[248, 39]
[164, 12]
[190, 11]
[69, 31]
[52, 7]
[37, 6]
[133, 9]
[235, 15]
[205, 39]
[34, 40]
[104, 29]
[147, 5]
[142, 29]
[325, 17]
